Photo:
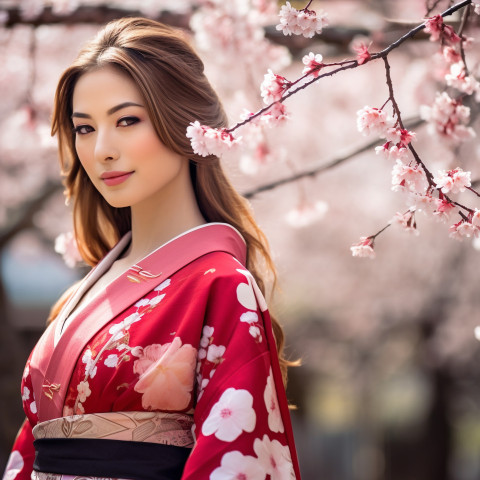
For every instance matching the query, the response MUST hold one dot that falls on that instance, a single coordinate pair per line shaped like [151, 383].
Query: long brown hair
[169, 75]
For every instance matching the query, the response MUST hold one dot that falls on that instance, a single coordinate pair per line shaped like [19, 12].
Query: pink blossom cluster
[313, 64]
[458, 78]
[408, 178]
[207, 141]
[273, 87]
[453, 181]
[406, 221]
[438, 30]
[467, 227]
[476, 6]
[447, 118]
[364, 248]
[301, 22]
[441, 208]
[371, 120]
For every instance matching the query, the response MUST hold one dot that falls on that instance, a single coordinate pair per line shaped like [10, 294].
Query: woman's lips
[115, 178]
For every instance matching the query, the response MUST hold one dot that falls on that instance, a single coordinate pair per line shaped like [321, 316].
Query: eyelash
[130, 121]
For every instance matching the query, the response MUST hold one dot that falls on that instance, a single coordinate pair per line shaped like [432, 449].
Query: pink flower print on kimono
[166, 375]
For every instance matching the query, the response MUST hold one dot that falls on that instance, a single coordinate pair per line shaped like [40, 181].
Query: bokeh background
[389, 387]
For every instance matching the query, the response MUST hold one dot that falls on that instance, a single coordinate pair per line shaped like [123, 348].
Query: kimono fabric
[169, 373]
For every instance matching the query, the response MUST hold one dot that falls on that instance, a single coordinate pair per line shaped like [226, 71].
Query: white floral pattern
[275, 422]
[274, 458]
[14, 465]
[231, 415]
[236, 466]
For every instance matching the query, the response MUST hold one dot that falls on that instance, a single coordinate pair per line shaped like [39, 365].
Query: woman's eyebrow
[111, 111]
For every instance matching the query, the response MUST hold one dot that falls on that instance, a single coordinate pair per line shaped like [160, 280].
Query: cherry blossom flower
[275, 458]
[453, 181]
[166, 375]
[207, 141]
[392, 152]
[84, 391]
[33, 407]
[451, 55]
[458, 78]
[476, 6]
[444, 209]
[447, 118]
[235, 465]
[66, 245]
[14, 465]
[275, 115]
[438, 30]
[275, 422]
[231, 415]
[463, 229]
[301, 22]
[363, 55]
[476, 218]
[364, 248]
[306, 214]
[408, 178]
[313, 64]
[406, 221]
[273, 87]
[399, 136]
[371, 120]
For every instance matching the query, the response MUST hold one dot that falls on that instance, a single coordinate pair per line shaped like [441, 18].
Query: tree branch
[319, 168]
[22, 217]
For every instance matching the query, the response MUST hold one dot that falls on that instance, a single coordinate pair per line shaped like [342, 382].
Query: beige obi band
[155, 427]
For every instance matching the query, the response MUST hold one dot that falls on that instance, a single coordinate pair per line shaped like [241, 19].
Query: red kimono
[177, 351]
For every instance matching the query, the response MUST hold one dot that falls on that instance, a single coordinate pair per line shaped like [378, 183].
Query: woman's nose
[105, 148]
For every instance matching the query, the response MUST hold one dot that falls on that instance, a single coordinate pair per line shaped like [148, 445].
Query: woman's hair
[170, 77]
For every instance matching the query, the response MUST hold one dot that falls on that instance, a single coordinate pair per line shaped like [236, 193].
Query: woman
[161, 363]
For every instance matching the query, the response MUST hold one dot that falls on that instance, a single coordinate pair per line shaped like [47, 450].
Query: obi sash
[126, 445]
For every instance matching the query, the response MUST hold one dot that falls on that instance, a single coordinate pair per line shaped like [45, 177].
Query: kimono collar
[55, 356]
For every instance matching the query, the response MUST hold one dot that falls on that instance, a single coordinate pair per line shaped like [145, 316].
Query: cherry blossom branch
[319, 168]
[417, 29]
[345, 65]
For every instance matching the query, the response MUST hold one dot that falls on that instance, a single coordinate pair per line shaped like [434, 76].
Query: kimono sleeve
[242, 425]
[20, 462]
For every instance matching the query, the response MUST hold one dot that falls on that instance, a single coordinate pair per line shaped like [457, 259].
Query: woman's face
[117, 144]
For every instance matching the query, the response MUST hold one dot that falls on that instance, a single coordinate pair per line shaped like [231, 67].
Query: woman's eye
[127, 121]
[82, 129]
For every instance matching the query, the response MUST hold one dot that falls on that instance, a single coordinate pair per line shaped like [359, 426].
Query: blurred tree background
[389, 387]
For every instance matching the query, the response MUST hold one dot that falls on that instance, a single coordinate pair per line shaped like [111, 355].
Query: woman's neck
[158, 219]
